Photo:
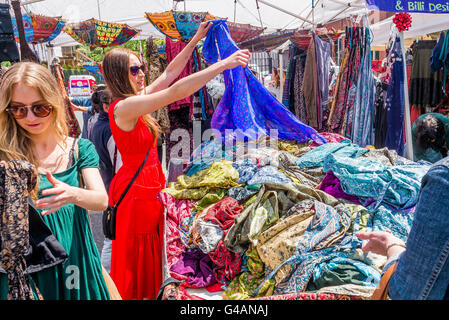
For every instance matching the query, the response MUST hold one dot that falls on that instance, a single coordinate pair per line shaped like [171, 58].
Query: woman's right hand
[238, 58]
[378, 241]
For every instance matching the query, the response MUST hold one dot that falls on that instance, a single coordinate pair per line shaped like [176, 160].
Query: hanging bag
[110, 214]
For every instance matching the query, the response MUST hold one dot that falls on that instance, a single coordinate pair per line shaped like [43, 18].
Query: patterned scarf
[17, 179]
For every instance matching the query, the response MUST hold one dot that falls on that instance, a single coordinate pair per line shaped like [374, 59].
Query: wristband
[395, 244]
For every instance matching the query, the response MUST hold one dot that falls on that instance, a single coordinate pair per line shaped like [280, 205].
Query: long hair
[431, 133]
[116, 76]
[15, 142]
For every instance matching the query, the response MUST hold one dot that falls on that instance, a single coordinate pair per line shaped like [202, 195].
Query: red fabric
[136, 261]
[330, 137]
[223, 213]
[172, 49]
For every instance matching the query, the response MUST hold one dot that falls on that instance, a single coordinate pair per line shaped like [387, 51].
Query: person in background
[421, 266]
[83, 104]
[136, 261]
[430, 137]
[110, 159]
[33, 128]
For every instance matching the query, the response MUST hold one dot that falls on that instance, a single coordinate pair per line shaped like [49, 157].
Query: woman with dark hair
[430, 136]
[136, 261]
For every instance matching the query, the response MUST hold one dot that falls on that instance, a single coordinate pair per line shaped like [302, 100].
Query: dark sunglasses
[39, 110]
[135, 69]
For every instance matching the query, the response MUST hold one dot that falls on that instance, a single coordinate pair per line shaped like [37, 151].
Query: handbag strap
[381, 293]
[133, 179]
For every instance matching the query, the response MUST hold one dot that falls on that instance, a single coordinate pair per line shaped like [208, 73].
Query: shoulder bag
[110, 214]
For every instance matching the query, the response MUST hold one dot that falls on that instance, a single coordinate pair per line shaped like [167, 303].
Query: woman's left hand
[202, 31]
[63, 195]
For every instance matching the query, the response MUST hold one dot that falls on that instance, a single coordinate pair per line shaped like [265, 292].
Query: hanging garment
[247, 107]
[71, 120]
[310, 85]
[381, 116]
[364, 112]
[425, 85]
[395, 103]
[323, 56]
[17, 179]
[298, 92]
[156, 66]
[172, 49]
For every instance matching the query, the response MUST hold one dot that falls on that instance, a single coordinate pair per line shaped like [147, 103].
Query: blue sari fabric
[247, 110]
[395, 102]
[389, 193]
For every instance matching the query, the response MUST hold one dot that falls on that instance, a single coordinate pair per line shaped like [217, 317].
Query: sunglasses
[39, 110]
[135, 69]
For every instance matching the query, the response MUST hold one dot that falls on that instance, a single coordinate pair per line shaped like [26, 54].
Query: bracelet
[395, 244]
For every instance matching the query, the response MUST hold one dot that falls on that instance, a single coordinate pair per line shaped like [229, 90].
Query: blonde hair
[15, 142]
[116, 76]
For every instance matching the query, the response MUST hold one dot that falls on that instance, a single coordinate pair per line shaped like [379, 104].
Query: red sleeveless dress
[136, 259]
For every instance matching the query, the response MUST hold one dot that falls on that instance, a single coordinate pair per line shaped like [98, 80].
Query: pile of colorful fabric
[275, 219]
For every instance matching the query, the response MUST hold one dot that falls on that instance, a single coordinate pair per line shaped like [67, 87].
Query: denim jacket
[423, 269]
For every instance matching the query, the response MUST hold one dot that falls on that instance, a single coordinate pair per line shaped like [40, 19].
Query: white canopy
[272, 14]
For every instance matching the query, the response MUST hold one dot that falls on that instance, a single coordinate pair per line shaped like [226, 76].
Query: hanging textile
[97, 33]
[156, 66]
[395, 102]
[352, 107]
[323, 55]
[425, 86]
[248, 111]
[364, 108]
[17, 179]
[240, 32]
[93, 68]
[72, 122]
[38, 28]
[178, 25]
[172, 49]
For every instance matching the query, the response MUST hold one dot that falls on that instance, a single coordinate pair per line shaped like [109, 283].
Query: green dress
[80, 276]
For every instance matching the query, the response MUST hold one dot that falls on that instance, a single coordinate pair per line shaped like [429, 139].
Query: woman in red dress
[136, 260]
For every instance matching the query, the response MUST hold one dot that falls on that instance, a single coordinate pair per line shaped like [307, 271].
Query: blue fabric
[423, 269]
[315, 158]
[364, 108]
[247, 108]
[27, 27]
[311, 249]
[395, 102]
[268, 174]
[246, 170]
[396, 186]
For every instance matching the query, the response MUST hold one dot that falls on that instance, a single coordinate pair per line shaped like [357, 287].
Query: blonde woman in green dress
[33, 128]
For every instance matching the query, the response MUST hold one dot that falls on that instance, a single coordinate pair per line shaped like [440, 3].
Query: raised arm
[127, 111]
[178, 64]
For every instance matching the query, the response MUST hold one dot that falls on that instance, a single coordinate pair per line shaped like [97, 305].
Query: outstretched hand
[63, 195]
[378, 241]
[202, 31]
[238, 58]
